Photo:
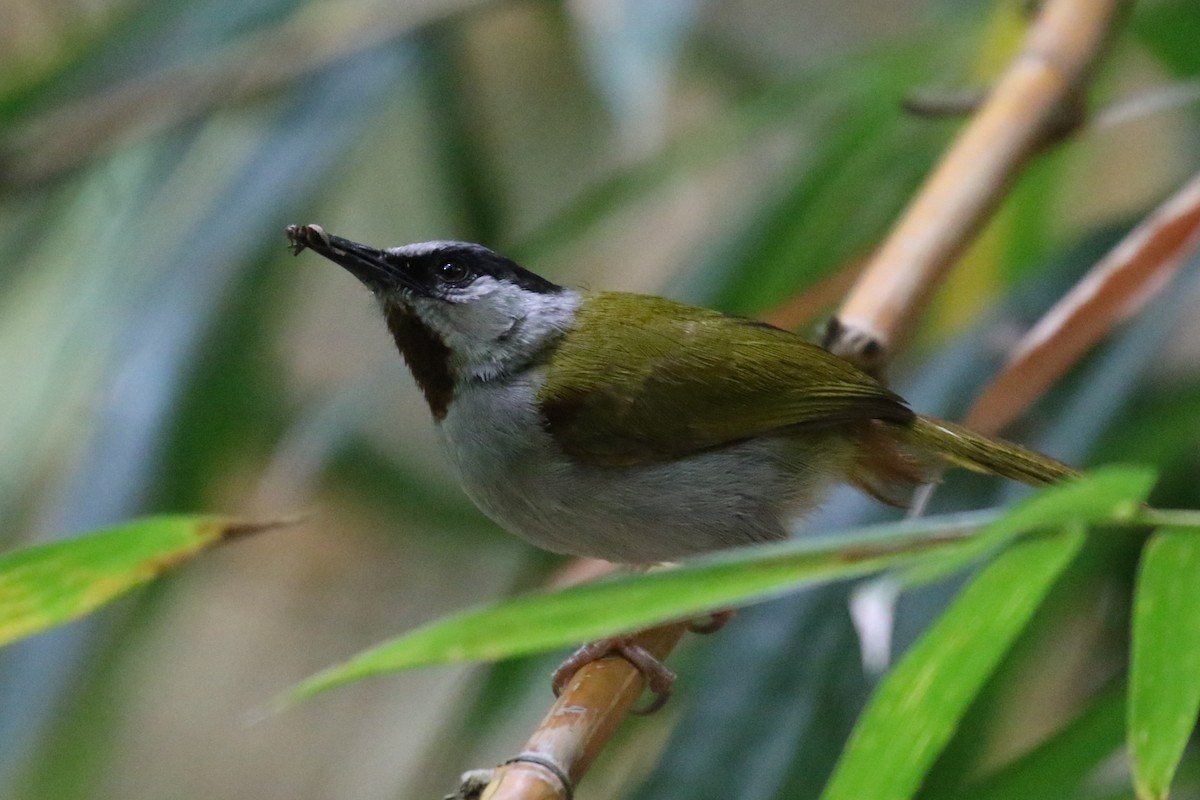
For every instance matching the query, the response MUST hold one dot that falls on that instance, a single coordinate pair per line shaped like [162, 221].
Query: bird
[637, 429]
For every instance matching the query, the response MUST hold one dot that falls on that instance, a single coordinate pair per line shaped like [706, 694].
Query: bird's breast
[512, 469]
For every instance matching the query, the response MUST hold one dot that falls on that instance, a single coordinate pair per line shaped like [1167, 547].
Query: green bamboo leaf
[1169, 31]
[1102, 495]
[1164, 692]
[1056, 767]
[915, 712]
[48, 585]
[546, 620]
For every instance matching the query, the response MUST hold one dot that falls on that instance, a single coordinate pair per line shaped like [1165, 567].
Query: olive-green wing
[660, 380]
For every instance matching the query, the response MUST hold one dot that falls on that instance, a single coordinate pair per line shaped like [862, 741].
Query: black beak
[373, 267]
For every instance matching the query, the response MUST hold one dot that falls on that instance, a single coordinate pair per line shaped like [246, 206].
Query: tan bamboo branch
[578, 725]
[1041, 88]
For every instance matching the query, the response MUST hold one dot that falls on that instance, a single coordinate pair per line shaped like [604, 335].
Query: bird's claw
[472, 784]
[659, 679]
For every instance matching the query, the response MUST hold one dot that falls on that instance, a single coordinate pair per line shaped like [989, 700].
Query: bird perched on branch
[636, 429]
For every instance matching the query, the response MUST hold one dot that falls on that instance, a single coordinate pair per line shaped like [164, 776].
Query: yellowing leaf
[48, 585]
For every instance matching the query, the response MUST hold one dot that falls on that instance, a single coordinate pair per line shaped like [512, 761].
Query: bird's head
[489, 315]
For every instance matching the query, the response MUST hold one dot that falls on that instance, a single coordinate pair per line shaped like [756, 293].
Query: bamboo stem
[1041, 87]
[579, 724]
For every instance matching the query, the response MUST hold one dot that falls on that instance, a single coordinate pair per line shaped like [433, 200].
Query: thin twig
[1026, 107]
[1171, 97]
[1115, 289]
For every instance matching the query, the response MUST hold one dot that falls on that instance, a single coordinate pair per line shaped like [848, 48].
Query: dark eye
[453, 272]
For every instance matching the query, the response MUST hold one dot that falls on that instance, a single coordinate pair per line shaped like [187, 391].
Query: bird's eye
[453, 272]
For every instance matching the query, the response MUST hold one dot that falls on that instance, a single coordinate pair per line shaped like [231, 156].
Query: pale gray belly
[513, 471]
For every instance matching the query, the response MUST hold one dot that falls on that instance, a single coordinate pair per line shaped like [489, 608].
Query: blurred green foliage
[160, 352]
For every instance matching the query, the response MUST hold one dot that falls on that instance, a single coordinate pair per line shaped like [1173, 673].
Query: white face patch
[494, 327]
[492, 315]
[425, 248]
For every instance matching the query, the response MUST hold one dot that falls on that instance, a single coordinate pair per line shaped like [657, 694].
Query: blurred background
[160, 351]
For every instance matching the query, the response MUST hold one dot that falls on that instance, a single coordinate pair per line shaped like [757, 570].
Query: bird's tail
[965, 448]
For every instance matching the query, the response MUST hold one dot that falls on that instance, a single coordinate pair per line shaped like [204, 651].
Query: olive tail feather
[965, 448]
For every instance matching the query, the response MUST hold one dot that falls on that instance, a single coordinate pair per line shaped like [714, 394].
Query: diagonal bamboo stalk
[1024, 110]
[578, 725]
[1118, 287]
[1027, 108]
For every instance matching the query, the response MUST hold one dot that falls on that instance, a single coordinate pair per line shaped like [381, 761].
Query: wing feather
[672, 380]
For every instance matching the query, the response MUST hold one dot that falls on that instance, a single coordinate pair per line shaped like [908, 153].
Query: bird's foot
[471, 785]
[659, 679]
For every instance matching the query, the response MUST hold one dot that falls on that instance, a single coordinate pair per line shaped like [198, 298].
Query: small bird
[636, 429]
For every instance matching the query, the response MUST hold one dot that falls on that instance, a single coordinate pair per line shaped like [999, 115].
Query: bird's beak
[370, 265]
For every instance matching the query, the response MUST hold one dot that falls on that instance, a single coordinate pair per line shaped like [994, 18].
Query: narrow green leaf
[1164, 692]
[1106, 494]
[48, 585]
[1169, 31]
[546, 620]
[916, 710]
[1058, 766]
